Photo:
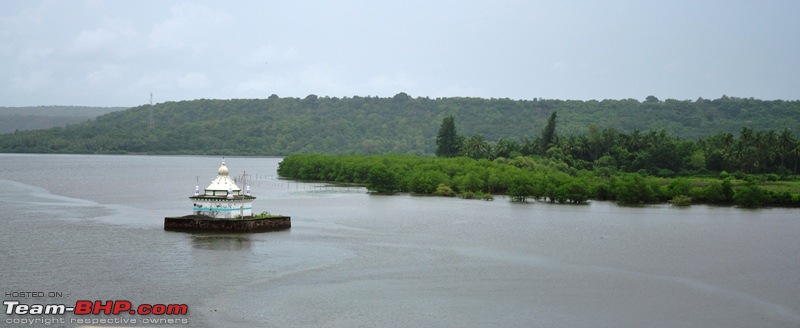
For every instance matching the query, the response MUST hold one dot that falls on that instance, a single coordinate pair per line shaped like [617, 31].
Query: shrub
[381, 179]
[444, 190]
[715, 192]
[631, 189]
[574, 192]
[679, 186]
[751, 196]
[681, 200]
[426, 182]
[263, 215]
[522, 187]
[665, 173]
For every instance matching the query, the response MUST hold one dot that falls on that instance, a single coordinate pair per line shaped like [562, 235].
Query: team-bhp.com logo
[85, 307]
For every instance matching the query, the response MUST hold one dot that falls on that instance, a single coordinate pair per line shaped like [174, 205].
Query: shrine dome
[222, 183]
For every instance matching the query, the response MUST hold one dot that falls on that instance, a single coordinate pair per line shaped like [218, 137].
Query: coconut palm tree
[785, 141]
[476, 147]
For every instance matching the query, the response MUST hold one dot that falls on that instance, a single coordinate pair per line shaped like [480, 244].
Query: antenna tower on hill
[151, 123]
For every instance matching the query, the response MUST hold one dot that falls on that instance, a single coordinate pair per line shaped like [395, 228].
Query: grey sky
[114, 53]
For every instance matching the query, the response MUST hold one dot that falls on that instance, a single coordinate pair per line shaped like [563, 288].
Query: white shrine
[223, 199]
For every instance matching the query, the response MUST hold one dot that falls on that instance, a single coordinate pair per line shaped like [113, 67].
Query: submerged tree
[381, 179]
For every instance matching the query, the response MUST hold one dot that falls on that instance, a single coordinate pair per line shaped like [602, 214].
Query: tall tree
[549, 133]
[448, 142]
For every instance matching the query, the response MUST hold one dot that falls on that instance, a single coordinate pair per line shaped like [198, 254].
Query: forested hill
[370, 125]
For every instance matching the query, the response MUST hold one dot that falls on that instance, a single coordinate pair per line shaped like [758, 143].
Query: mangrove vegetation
[532, 177]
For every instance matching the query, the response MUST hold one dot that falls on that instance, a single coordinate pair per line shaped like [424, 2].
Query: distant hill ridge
[42, 117]
[372, 125]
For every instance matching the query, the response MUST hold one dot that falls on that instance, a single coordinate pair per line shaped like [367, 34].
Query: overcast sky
[115, 53]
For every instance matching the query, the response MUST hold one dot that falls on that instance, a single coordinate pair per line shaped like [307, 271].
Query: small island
[222, 207]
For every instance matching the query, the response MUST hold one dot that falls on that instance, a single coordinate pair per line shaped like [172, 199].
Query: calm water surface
[91, 227]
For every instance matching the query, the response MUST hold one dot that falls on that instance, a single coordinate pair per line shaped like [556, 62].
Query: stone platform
[246, 224]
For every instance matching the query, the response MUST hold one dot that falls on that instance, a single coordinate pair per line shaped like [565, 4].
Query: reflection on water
[222, 242]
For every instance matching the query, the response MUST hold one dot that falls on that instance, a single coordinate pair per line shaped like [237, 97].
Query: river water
[86, 227]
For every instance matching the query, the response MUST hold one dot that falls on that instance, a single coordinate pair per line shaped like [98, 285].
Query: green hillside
[372, 125]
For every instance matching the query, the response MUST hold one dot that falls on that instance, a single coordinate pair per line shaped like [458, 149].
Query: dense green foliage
[652, 153]
[530, 177]
[400, 125]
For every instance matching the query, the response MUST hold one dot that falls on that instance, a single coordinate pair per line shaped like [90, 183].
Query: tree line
[651, 153]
